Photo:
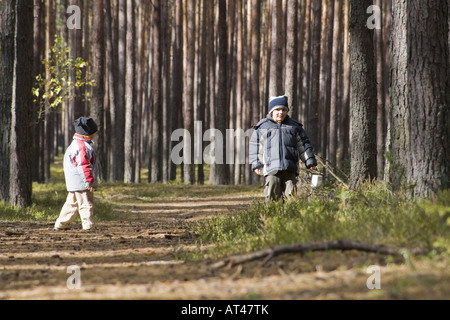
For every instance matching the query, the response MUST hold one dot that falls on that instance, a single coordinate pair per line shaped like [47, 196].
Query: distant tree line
[368, 79]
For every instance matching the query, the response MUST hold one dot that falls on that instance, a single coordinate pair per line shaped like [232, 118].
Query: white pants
[82, 202]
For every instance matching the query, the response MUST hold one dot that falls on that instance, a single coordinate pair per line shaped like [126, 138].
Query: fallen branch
[314, 246]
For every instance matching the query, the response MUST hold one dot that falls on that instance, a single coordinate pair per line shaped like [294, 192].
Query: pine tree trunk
[76, 105]
[222, 174]
[305, 70]
[212, 35]
[255, 67]
[111, 71]
[118, 123]
[291, 56]
[22, 108]
[344, 116]
[247, 114]
[398, 138]
[38, 68]
[69, 117]
[363, 96]
[130, 80]
[325, 76]
[428, 97]
[177, 78]
[156, 96]
[312, 123]
[203, 72]
[381, 123]
[188, 115]
[165, 100]
[276, 57]
[239, 92]
[98, 92]
[7, 57]
[335, 104]
[420, 101]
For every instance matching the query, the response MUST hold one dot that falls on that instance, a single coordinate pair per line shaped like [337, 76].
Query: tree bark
[38, 68]
[291, 56]
[213, 66]
[130, 81]
[428, 97]
[22, 108]
[222, 174]
[276, 57]
[336, 70]
[76, 105]
[363, 96]
[312, 125]
[7, 58]
[166, 74]
[255, 67]
[155, 162]
[398, 134]
[325, 75]
[189, 172]
[381, 123]
[69, 110]
[203, 81]
[177, 75]
[344, 116]
[111, 74]
[305, 70]
[98, 92]
[118, 123]
[239, 93]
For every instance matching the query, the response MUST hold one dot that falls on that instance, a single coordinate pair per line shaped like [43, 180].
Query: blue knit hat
[278, 102]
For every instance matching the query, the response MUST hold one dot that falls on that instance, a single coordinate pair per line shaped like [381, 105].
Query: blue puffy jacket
[280, 146]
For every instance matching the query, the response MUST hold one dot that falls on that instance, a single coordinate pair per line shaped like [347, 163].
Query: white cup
[316, 181]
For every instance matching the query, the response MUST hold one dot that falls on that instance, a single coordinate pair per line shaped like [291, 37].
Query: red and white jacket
[79, 165]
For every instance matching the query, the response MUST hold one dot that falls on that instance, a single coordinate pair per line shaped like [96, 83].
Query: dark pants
[281, 185]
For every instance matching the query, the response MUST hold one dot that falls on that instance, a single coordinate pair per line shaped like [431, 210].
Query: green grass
[110, 198]
[47, 201]
[373, 214]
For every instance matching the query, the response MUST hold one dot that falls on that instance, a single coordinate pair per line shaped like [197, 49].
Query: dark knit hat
[278, 102]
[85, 126]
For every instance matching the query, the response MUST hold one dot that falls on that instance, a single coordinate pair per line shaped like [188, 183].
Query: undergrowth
[48, 199]
[111, 200]
[373, 214]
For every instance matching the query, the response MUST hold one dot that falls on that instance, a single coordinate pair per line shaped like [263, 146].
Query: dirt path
[134, 259]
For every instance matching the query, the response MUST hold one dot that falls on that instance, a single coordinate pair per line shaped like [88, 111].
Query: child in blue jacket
[277, 146]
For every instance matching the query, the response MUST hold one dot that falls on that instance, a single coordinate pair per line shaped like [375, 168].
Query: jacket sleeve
[84, 165]
[254, 155]
[305, 149]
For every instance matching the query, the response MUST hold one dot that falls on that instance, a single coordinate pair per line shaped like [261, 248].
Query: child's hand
[89, 188]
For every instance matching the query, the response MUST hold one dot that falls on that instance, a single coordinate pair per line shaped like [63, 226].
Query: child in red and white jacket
[81, 176]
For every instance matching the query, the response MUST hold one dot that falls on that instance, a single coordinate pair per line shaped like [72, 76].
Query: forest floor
[137, 258]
